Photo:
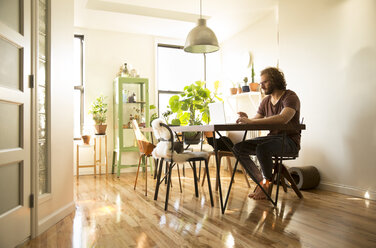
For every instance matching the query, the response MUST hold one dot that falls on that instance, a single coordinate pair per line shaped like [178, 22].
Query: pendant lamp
[201, 39]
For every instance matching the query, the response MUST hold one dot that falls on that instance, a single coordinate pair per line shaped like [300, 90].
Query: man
[280, 106]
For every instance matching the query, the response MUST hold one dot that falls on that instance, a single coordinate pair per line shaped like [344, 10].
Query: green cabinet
[131, 101]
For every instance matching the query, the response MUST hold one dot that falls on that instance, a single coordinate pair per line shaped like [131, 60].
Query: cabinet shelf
[134, 102]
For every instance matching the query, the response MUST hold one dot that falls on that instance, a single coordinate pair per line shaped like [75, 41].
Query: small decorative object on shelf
[132, 98]
[253, 85]
[86, 139]
[233, 90]
[125, 72]
[245, 88]
[239, 89]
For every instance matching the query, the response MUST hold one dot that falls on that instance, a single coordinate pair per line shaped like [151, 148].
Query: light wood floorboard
[109, 213]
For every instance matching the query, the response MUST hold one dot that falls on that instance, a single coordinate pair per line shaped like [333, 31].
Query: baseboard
[55, 217]
[347, 190]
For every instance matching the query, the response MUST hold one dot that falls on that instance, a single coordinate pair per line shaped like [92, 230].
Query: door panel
[10, 65]
[10, 179]
[9, 125]
[10, 13]
[15, 97]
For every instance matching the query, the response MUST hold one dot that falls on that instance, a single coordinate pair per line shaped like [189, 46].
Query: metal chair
[172, 158]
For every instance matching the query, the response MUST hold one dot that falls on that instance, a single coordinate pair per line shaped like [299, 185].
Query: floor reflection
[264, 219]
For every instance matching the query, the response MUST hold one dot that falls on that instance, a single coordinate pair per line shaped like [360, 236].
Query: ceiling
[170, 18]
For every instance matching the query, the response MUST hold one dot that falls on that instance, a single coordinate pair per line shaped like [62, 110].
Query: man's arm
[283, 118]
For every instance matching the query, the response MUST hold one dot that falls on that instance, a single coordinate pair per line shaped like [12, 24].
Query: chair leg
[138, 169]
[168, 186]
[219, 165]
[287, 175]
[230, 166]
[118, 163]
[199, 172]
[209, 184]
[146, 175]
[177, 165]
[113, 162]
[283, 183]
[156, 168]
[166, 171]
[158, 179]
[203, 178]
[195, 177]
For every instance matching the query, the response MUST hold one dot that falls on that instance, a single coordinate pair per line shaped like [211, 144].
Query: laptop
[218, 116]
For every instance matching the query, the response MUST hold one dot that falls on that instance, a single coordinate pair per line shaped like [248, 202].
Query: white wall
[59, 203]
[328, 53]
[105, 52]
[261, 39]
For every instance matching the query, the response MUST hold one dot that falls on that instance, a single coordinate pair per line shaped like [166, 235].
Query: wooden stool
[85, 166]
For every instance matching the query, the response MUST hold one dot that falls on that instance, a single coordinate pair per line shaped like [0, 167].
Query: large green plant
[191, 106]
[99, 109]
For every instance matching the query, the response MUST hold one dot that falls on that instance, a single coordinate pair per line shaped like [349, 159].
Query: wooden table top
[232, 127]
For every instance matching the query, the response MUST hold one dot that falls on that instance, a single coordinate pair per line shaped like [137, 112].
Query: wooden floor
[109, 213]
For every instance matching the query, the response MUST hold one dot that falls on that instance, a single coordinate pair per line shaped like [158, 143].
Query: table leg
[218, 171]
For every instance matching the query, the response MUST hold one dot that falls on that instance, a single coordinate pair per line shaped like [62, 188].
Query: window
[43, 101]
[78, 96]
[177, 69]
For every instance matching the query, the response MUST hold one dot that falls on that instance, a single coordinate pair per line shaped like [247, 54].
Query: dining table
[216, 130]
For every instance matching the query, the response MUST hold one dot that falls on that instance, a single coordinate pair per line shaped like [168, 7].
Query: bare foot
[259, 194]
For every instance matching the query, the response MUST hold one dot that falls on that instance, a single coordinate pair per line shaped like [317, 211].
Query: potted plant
[192, 106]
[233, 90]
[245, 88]
[154, 115]
[253, 85]
[99, 109]
[239, 88]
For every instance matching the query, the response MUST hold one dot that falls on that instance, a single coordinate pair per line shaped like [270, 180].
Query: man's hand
[243, 118]
[242, 114]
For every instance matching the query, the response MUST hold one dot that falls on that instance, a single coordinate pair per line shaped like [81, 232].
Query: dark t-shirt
[289, 99]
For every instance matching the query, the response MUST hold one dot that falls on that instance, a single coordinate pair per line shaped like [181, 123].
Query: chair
[165, 152]
[235, 137]
[145, 148]
[284, 174]
[227, 155]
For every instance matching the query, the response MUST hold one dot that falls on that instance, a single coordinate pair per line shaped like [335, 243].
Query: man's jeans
[264, 148]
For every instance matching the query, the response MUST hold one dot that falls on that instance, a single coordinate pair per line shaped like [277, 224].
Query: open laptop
[218, 116]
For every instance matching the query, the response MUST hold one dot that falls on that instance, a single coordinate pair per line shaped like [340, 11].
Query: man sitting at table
[280, 106]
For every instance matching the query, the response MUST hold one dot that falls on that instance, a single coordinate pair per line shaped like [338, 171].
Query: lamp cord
[200, 9]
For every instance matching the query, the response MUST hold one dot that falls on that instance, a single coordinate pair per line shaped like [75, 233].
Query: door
[14, 122]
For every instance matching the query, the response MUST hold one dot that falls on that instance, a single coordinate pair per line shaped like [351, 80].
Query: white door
[14, 122]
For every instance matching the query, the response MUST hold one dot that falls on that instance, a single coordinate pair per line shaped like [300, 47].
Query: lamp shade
[201, 39]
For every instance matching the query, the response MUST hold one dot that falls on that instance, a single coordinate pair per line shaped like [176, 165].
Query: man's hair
[276, 77]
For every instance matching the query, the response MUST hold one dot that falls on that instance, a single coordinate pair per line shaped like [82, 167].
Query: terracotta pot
[86, 139]
[240, 90]
[233, 91]
[101, 129]
[254, 86]
[208, 134]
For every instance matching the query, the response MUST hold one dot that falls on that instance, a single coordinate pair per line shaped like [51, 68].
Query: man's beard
[269, 90]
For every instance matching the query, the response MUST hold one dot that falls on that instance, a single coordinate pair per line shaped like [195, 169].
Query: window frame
[81, 85]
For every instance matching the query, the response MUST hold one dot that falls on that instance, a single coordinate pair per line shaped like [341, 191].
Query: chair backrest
[143, 144]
